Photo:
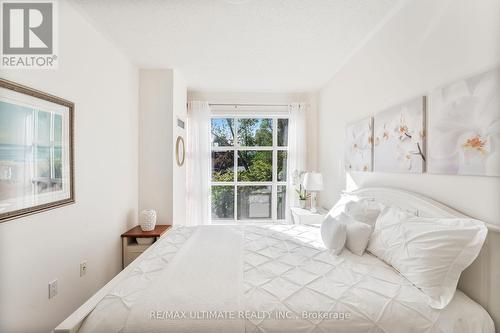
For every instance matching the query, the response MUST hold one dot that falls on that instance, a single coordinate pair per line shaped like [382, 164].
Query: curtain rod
[244, 104]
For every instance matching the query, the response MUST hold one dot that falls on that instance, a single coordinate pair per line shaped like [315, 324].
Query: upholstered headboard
[480, 281]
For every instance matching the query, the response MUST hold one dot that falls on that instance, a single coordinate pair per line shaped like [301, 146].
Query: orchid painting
[464, 126]
[359, 144]
[399, 138]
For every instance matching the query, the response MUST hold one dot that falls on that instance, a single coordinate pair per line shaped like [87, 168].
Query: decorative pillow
[430, 252]
[358, 235]
[360, 209]
[333, 234]
[364, 210]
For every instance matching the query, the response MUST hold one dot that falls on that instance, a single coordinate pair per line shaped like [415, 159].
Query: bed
[277, 278]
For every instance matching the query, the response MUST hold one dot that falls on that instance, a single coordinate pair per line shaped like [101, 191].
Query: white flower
[399, 133]
[409, 127]
[359, 144]
[468, 129]
[383, 133]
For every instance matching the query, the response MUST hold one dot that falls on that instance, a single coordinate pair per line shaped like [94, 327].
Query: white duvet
[276, 278]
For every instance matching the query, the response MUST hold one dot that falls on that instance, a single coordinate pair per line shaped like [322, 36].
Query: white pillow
[333, 234]
[430, 252]
[364, 210]
[360, 209]
[358, 235]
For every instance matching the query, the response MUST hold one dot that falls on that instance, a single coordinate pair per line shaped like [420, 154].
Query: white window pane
[281, 202]
[58, 162]
[254, 202]
[282, 165]
[255, 132]
[255, 165]
[223, 202]
[43, 162]
[43, 134]
[282, 132]
[16, 152]
[57, 128]
[222, 166]
[222, 132]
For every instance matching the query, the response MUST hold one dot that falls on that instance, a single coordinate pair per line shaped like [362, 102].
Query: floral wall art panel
[464, 126]
[399, 138]
[359, 145]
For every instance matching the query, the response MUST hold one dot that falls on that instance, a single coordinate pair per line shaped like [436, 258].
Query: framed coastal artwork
[399, 138]
[464, 126]
[36, 151]
[359, 145]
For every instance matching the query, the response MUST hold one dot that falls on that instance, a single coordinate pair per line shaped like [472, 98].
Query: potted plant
[303, 196]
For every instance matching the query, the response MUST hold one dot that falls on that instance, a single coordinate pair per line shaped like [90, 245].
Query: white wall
[179, 172]
[272, 98]
[427, 44]
[162, 183]
[37, 249]
[155, 137]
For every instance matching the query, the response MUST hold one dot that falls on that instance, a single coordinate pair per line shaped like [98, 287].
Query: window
[249, 169]
[48, 152]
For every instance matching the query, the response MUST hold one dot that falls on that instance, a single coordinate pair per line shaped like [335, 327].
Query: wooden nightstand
[131, 249]
[305, 216]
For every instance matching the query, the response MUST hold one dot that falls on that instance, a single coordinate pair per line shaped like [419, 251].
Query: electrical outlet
[52, 289]
[83, 268]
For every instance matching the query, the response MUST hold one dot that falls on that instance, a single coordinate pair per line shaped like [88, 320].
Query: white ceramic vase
[303, 203]
[147, 219]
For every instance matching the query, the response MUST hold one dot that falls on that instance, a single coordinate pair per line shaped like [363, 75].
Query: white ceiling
[240, 45]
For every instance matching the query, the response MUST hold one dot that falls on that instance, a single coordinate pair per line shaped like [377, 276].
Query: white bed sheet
[286, 271]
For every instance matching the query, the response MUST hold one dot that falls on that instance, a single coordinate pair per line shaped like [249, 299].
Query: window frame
[51, 144]
[274, 183]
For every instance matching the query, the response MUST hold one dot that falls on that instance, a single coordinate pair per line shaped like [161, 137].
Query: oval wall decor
[180, 151]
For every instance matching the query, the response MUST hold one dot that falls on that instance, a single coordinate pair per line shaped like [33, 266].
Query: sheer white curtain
[198, 163]
[297, 151]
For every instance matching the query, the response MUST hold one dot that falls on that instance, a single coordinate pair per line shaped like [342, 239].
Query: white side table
[305, 216]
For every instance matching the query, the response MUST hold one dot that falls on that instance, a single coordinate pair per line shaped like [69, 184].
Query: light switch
[52, 289]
